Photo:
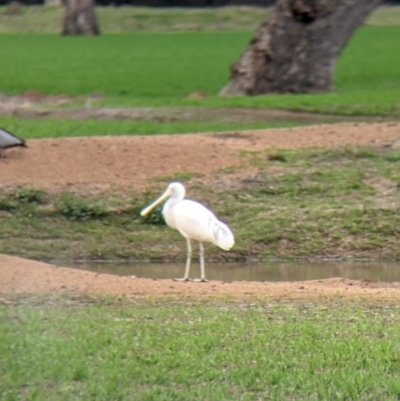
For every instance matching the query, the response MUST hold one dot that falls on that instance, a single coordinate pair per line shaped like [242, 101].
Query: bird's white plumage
[194, 221]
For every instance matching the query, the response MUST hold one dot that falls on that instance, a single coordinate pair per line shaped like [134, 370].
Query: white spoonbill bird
[194, 221]
[9, 140]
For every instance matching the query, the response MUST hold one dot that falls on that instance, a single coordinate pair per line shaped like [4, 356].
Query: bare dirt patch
[108, 163]
[26, 276]
[130, 163]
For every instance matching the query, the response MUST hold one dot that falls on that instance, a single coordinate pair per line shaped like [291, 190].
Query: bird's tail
[222, 235]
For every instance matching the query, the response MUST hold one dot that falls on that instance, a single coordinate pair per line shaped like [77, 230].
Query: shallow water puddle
[266, 271]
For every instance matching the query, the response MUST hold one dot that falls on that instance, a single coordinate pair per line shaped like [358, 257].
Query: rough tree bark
[295, 49]
[79, 18]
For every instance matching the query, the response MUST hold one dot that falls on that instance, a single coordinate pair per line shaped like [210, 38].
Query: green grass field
[109, 349]
[144, 67]
[53, 128]
[177, 65]
[122, 71]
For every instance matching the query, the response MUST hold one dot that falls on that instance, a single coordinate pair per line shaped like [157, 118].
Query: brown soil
[132, 162]
[24, 276]
[129, 163]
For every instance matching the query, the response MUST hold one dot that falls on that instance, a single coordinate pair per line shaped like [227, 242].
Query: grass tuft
[24, 200]
[76, 208]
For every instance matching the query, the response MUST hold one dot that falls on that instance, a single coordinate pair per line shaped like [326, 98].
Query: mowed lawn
[142, 65]
[151, 69]
[162, 69]
[102, 349]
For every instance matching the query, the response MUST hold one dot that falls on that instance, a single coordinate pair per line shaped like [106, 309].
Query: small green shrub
[21, 199]
[363, 153]
[392, 156]
[76, 208]
[7, 204]
[29, 195]
[155, 217]
[277, 157]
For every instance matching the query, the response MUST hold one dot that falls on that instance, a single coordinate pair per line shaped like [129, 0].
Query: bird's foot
[200, 280]
[184, 279]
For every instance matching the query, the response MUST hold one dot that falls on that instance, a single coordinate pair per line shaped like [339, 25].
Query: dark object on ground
[9, 140]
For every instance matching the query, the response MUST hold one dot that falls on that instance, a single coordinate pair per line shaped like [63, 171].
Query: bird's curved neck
[172, 201]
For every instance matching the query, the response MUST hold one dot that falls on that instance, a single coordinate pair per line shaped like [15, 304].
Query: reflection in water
[266, 271]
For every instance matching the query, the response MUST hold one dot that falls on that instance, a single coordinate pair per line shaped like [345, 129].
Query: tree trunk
[79, 18]
[295, 49]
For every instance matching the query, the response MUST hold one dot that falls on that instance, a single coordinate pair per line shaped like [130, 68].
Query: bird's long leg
[188, 259]
[202, 270]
